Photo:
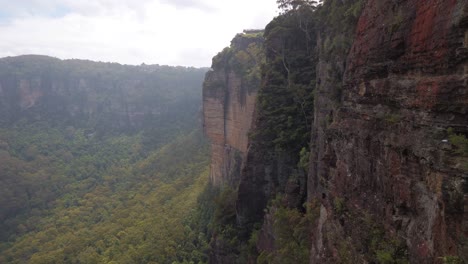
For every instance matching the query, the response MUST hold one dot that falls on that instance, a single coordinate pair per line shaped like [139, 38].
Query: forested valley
[338, 134]
[101, 163]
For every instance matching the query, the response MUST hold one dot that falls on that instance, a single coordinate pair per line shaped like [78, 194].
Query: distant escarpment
[101, 97]
[358, 148]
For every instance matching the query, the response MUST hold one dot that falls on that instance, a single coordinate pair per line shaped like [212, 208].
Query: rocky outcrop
[229, 96]
[382, 164]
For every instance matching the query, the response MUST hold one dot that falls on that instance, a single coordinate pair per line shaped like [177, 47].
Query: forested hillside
[100, 163]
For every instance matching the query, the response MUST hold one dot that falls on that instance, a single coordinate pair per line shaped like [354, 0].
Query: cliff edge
[229, 96]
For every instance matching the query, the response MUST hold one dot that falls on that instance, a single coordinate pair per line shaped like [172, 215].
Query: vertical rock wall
[229, 95]
[383, 166]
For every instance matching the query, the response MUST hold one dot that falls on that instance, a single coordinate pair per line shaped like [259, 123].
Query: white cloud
[174, 32]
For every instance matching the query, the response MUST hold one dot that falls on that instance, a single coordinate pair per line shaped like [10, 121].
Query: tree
[287, 5]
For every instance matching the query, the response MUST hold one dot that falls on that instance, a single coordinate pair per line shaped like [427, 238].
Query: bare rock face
[381, 162]
[29, 93]
[229, 95]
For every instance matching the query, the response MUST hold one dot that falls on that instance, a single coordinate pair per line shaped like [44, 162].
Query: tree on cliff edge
[287, 5]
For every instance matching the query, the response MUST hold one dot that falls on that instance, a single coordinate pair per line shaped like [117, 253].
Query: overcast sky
[172, 32]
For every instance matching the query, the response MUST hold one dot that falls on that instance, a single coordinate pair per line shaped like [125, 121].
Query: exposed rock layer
[228, 105]
[384, 156]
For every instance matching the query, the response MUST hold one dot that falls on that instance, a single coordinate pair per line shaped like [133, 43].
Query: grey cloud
[62, 7]
[185, 4]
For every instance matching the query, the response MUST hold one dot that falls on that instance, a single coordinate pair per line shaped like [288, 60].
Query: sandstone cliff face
[381, 165]
[29, 97]
[386, 181]
[229, 95]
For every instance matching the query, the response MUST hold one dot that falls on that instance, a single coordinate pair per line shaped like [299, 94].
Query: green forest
[76, 189]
